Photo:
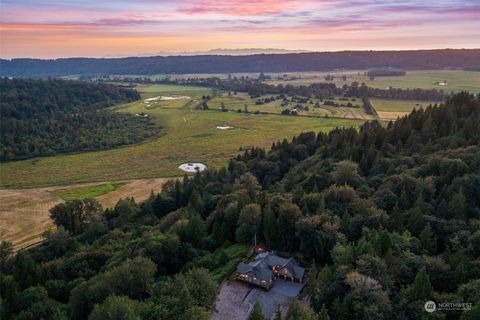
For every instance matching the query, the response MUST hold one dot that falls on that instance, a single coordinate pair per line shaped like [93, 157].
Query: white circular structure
[192, 167]
[224, 127]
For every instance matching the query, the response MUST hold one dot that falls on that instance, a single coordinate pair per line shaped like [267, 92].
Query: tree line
[292, 62]
[256, 88]
[385, 72]
[385, 217]
[41, 118]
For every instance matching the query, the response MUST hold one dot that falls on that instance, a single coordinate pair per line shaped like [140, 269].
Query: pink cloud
[239, 8]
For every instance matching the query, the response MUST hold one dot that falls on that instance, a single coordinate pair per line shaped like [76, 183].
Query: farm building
[267, 267]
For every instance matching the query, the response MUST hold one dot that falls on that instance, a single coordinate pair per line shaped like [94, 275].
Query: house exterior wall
[264, 283]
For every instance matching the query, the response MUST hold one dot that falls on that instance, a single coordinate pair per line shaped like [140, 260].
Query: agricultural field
[24, 214]
[456, 80]
[190, 135]
[148, 91]
[392, 109]
[240, 100]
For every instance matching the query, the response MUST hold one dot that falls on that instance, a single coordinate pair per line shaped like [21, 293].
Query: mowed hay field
[24, 214]
[392, 109]
[190, 135]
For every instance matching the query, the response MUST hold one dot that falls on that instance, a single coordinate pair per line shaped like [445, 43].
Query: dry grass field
[24, 213]
[392, 109]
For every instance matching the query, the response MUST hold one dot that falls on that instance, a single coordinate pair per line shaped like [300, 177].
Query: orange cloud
[37, 27]
[122, 27]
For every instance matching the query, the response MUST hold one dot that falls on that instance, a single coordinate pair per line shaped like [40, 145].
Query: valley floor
[191, 135]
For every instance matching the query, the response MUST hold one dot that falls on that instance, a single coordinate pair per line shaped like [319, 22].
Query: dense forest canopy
[317, 61]
[387, 218]
[40, 118]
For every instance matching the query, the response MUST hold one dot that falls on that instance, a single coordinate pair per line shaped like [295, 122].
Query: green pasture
[189, 135]
[87, 192]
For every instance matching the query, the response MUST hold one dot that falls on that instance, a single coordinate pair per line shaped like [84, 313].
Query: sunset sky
[87, 28]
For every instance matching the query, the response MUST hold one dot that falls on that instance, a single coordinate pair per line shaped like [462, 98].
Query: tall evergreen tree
[323, 314]
[421, 288]
[294, 310]
[256, 313]
[270, 228]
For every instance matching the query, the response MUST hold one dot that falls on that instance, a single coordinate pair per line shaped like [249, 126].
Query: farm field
[238, 102]
[392, 109]
[24, 214]
[190, 135]
[457, 80]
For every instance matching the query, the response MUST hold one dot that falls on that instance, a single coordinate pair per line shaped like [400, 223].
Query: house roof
[243, 267]
[257, 270]
[294, 269]
[262, 265]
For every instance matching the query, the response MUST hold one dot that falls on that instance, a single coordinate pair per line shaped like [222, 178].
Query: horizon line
[206, 53]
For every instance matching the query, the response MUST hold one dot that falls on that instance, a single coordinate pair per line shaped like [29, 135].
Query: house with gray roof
[267, 267]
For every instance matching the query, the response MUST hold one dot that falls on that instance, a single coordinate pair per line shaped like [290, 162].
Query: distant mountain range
[215, 63]
[218, 51]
